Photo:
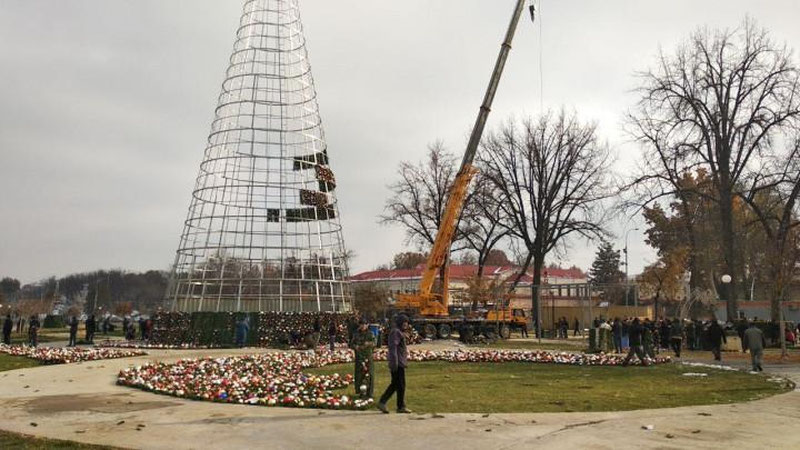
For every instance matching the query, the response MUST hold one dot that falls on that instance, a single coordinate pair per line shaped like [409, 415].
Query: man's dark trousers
[638, 350]
[398, 385]
[676, 346]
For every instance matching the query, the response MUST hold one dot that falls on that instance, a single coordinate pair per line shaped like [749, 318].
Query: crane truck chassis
[492, 324]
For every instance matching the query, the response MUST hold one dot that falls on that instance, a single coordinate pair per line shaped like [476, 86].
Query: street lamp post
[627, 284]
[726, 281]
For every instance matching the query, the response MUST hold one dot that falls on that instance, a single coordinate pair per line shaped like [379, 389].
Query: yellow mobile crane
[429, 309]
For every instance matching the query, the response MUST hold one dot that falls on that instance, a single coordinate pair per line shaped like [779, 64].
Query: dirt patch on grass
[117, 403]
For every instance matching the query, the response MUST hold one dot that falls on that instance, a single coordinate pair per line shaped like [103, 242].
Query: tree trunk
[729, 251]
[658, 296]
[521, 273]
[443, 270]
[481, 264]
[538, 264]
[776, 290]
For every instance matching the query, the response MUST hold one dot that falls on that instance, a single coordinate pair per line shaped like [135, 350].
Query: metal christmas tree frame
[263, 230]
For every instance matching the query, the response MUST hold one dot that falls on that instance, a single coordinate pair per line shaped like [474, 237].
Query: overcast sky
[105, 106]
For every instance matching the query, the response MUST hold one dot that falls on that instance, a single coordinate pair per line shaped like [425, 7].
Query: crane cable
[541, 58]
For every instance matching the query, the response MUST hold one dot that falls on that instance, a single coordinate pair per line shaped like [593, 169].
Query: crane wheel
[505, 331]
[429, 331]
[444, 331]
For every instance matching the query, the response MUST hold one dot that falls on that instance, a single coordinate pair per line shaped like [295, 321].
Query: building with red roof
[407, 280]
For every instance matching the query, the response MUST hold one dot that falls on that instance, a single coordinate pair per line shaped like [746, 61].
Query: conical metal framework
[263, 230]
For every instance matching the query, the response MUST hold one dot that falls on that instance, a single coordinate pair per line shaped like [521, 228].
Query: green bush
[51, 321]
[218, 329]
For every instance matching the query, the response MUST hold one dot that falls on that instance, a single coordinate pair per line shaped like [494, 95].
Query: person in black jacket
[317, 331]
[663, 333]
[73, 332]
[635, 342]
[332, 330]
[91, 328]
[676, 336]
[741, 327]
[616, 329]
[33, 331]
[716, 337]
[8, 325]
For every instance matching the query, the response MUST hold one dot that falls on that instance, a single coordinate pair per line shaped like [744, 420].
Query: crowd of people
[646, 338]
[33, 325]
[363, 338]
[562, 328]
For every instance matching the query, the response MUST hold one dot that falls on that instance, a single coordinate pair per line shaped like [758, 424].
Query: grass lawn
[22, 338]
[533, 344]
[771, 356]
[8, 362]
[22, 441]
[523, 387]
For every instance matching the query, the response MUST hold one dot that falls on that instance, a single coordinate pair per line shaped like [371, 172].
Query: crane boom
[426, 301]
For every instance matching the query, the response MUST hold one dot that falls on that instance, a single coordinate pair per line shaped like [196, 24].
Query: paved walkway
[81, 402]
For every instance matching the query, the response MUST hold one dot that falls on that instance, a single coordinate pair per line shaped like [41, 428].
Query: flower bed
[66, 355]
[528, 356]
[149, 345]
[187, 346]
[277, 379]
[271, 379]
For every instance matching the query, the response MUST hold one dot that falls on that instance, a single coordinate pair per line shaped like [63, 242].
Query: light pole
[627, 285]
[726, 281]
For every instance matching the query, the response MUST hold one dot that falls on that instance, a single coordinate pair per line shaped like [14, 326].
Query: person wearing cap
[363, 345]
[397, 358]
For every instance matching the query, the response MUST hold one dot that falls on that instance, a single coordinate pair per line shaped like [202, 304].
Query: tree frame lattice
[263, 230]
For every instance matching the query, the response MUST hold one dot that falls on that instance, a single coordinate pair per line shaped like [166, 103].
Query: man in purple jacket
[398, 361]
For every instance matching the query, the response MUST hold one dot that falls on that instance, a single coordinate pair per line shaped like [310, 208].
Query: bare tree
[550, 175]
[408, 260]
[419, 197]
[483, 220]
[419, 200]
[717, 104]
[774, 197]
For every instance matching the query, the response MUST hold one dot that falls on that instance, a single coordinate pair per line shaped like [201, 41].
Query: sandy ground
[81, 402]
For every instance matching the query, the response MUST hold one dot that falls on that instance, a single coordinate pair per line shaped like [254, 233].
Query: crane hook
[532, 9]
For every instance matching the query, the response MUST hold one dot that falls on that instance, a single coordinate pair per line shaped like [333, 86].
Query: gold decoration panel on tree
[263, 231]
